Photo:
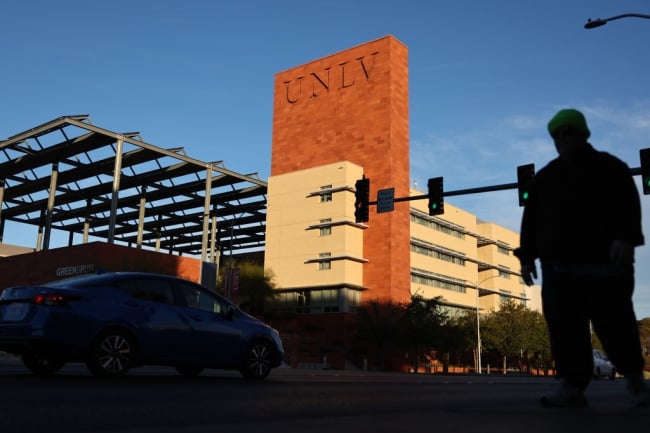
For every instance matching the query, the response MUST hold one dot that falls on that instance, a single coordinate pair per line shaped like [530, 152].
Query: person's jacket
[577, 208]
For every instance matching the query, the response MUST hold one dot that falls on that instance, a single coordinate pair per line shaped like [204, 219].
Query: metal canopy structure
[70, 175]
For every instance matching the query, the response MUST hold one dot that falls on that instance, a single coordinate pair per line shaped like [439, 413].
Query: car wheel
[257, 364]
[112, 354]
[189, 370]
[41, 364]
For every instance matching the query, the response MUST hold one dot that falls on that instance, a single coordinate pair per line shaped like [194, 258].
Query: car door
[158, 321]
[213, 337]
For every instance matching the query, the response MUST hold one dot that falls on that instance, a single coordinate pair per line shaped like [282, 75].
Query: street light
[601, 22]
[478, 323]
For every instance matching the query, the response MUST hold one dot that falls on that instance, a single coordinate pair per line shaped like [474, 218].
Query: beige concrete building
[7, 250]
[465, 261]
[315, 248]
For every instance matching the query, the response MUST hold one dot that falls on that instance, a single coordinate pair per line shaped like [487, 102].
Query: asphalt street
[157, 400]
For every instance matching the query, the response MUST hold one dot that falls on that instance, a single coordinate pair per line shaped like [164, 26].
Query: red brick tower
[353, 106]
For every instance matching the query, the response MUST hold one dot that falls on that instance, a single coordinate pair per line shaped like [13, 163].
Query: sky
[484, 79]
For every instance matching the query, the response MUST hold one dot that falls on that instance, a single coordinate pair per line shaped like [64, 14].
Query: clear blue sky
[485, 77]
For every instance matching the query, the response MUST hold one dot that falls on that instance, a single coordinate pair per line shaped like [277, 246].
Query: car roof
[111, 276]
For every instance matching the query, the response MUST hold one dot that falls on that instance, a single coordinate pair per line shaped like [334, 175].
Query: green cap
[571, 118]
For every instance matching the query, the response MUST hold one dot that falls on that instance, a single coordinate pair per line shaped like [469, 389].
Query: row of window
[501, 249]
[452, 231]
[420, 249]
[460, 287]
[345, 300]
[432, 281]
[435, 225]
[316, 301]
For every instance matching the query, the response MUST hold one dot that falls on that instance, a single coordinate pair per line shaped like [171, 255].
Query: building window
[440, 255]
[326, 230]
[433, 281]
[504, 274]
[353, 299]
[316, 301]
[504, 296]
[303, 302]
[329, 301]
[443, 228]
[324, 264]
[502, 249]
[326, 193]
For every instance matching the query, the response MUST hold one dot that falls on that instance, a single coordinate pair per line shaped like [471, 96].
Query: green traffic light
[524, 195]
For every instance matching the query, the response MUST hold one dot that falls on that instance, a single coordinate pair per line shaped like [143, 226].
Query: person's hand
[528, 273]
[621, 253]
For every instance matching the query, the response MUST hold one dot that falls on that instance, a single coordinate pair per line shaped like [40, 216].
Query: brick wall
[55, 264]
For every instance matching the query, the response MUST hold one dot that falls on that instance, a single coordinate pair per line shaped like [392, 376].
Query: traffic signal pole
[481, 189]
[435, 194]
[638, 171]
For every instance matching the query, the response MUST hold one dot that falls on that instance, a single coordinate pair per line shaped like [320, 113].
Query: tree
[378, 324]
[462, 335]
[459, 339]
[255, 287]
[422, 325]
[539, 345]
[516, 332]
[418, 324]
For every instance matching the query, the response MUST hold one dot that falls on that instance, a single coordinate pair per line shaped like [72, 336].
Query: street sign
[385, 200]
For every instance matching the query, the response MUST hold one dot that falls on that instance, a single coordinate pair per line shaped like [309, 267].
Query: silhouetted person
[583, 221]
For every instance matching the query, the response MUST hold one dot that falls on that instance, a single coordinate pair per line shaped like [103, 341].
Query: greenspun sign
[69, 271]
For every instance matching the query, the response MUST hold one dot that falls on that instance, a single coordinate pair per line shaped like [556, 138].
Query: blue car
[116, 321]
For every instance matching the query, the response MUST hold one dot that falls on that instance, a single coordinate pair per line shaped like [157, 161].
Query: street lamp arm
[478, 323]
[601, 22]
[478, 285]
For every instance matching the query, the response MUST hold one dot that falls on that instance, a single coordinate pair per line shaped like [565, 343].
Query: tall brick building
[335, 120]
[352, 108]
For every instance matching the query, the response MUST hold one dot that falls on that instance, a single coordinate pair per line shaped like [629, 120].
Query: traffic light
[525, 176]
[436, 199]
[361, 199]
[645, 170]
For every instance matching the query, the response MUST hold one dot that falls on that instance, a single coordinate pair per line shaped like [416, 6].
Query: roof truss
[60, 175]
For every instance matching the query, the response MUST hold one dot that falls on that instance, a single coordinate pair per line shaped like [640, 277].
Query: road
[157, 400]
